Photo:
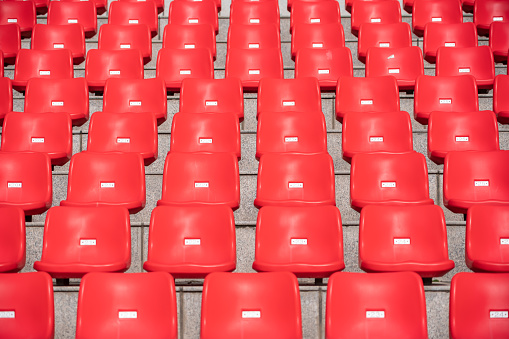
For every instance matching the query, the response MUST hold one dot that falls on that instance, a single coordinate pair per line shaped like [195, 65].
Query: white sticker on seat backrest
[254, 21]
[193, 21]
[37, 140]
[445, 101]
[123, 140]
[134, 103]
[504, 241]
[114, 72]
[12, 20]
[57, 103]
[58, 45]
[450, 44]
[499, 314]
[189, 46]
[291, 139]
[376, 139]
[481, 183]
[205, 140]
[194, 242]
[375, 314]
[317, 45]
[376, 20]
[72, 21]
[14, 185]
[392, 56]
[464, 70]
[436, 19]
[88, 242]
[201, 184]
[251, 314]
[210, 103]
[254, 71]
[288, 103]
[393, 70]
[185, 72]
[107, 185]
[7, 314]
[401, 241]
[125, 46]
[498, 18]
[127, 315]
[462, 139]
[299, 241]
[44, 72]
[323, 71]
[133, 21]
[366, 102]
[384, 44]
[253, 46]
[389, 184]
[315, 21]
[295, 185]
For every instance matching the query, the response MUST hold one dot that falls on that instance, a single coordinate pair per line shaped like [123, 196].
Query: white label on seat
[88, 242]
[288, 103]
[459, 139]
[123, 140]
[499, 314]
[376, 139]
[317, 45]
[464, 70]
[189, 46]
[185, 71]
[390, 57]
[134, 103]
[375, 314]
[450, 44]
[114, 72]
[133, 21]
[127, 315]
[436, 19]
[504, 241]
[498, 18]
[57, 103]
[44, 72]
[7, 314]
[254, 71]
[376, 20]
[14, 185]
[72, 21]
[58, 45]
[401, 241]
[253, 45]
[299, 241]
[141, 0]
[201, 184]
[366, 102]
[390, 184]
[254, 21]
[38, 140]
[445, 101]
[295, 185]
[107, 185]
[315, 21]
[385, 44]
[205, 140]
[193, 21]
[393, 70]
[125, 45]
[210, 103]
[481, 183]
[194, 242]
[12, 20]
[251, 314]
[323, 71]
[291, 139]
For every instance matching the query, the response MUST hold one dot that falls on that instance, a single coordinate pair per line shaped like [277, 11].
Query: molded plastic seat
[26, 181]
[379, 305]
[437, 34]
[100, 5]
[205, 132]
[253, 36]
[159, 4]
[48, 64]
[461, 131]
[49, 133]
[349, 3]
[323, 36]
[194, 12]
[499, 40]
[5, 96]
[295, 179]
[404, 238]
[472, 178]
[394, 35]
[41, 6]
[377, 94]
[79, 240]
[111, 179]
[212, 96]
[429, 11]
[389, 179]
[478, 305]
[190, 36]
[71, 37]
[10, 41]
[132, 13]
[405, 64]
[488, 11]
[191, 241]
[122, 37]
[202, 178]
[254, 13]
[289, 3]
[316, 12]
[12, 240]
[500, 98]
[21, 13]
[365, 132]
[79, 12]
[271, 306]
[27, 299]
[127, 305]
[287, 240]
[384, 12]
[103, 64]
[477, 61]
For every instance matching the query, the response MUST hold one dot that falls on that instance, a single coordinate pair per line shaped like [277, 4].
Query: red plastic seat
[194, 12]
[271, 306]
[486, 241]
[384, 12]
[47, 64]
[26, 182]
[49, 133]
[100, 5]
[295, 179]
[71, 37]
[79, 12]
[254, 13]
[477, 61]
[132, 13]
[286, 240]
[380, 305]
[478, 305]
[190, 36]
[191, 241]
[253, 36]
[159, 4]
[127, 305]
[27, 305]
[124, 132]
[405, 64]
[58, 95]
[41, 6]
[205, 132]
[12, 240]
[429, 11]
[251, 65]
[488, 11]
[289, 3]
[500, 98]
[111, 179]
[122, 37]
[394, 35]
[349, 3]
[472, 178]
[366, 95]
[212, 96]
[5, 97]
[404, 238]
[136, 95]
[79, 240]
[438, 35]
[21, 13]
[365, 132]
[499, 40]
[210, 179]
[389, 179]
[10, 42]
[323, 36]
[316, 12]
[103, 64]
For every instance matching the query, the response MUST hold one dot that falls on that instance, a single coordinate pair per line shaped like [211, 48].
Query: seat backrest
[12, 239]
[393, 35]
[384, 12]
[69, 36]
[321, 12]
[81, 12]
[253, 36]
[192, 13]
[325, 36]
[190, 36]
[10, 40]
[437, 34]
[428, 11]
[488, 11]
[135, 12]
[5, 96]
[255, 13]
[21, 13]
[122, 37]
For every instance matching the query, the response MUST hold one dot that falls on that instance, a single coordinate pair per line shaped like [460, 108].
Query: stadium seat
[26, 182]
[122, 37]
[499, 40]
[159, 4]
[461, 131]
[389, 179]
[251, 65]
[49, 133]
[41, 6]
[102, 64]
[272, 305]
[127, 305]
[488, 11]
[477, 61]
[100, 5]
[384, 12]
[405, 64]
[12, 240]
[205, 132]
[478, 305]
[201, 178]
[365, 132]
[366, 95]
[47, 64]
[135, 12]
[500, 98]
[79, 240]
[295, 132]
[404, 238]
[124, 132]
[379, 305]
[395, 35]
[287, 240]
[348, 4]
[486, 238]
[429, 11]
[316, 12]
[190, 36]
[254, 13]
[212, 96]
[136, 95]
[253, 36]
[191, 241]
[295, 179]
[21, 13]
[327, 65]
[438, 35]
[111, 179]
[10, 42]
[76, 12]
[472, 178]
[323, 36]
[5, 96]
[193, 13]
[290, 2]
[27, 305]
[71, 37]
[58, 95]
